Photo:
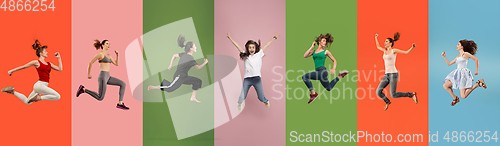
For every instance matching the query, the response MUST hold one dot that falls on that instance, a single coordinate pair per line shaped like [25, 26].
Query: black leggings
[178, 81]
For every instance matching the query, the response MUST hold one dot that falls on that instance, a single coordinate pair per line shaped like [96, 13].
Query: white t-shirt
[253, 63]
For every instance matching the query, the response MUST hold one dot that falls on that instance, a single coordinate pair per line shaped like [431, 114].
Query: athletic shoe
[122, 106]
[80, 90]
[343, 73]
[267, 104]
[9, 89]
[313, 97]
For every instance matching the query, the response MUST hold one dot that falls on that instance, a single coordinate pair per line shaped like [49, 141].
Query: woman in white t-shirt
[252, 56]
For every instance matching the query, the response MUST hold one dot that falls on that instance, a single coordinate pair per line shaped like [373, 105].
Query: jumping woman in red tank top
[43, 68]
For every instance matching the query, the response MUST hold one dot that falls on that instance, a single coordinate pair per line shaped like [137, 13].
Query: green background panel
[333, 111]
[158, 126]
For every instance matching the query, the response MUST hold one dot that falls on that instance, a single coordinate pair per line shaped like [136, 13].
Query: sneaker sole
[121, 108]
[78, 91]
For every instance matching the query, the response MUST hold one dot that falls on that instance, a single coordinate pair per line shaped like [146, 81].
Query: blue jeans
[320, 74]
[257, 85]
[392, 79]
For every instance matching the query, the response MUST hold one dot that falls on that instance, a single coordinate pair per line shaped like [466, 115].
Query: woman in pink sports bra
[391, 73]
[43, 68]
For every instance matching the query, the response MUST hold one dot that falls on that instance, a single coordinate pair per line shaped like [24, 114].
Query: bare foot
[195, 100]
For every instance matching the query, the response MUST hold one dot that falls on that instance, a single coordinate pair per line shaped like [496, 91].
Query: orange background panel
[44, 122]
[387, 17]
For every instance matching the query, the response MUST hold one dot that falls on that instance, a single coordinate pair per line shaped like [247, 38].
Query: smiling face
[251, 49]
[322, 43]
[460, 47]
[193, 49]
[106, 45]
[387, 43]
[44, 53]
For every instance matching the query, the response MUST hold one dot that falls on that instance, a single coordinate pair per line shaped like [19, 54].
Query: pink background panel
[100, 122]
[258, 19]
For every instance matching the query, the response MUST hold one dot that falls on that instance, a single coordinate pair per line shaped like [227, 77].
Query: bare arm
[60, 67]
[467, 54]
[198, 67]
[327, 53]
[96, 57]
[378, 45]
[271, 41]
[407, 51]
[309, 53]
[29, 64]
[172, 61]
[448, 62]
[115, 62]
[235, 44]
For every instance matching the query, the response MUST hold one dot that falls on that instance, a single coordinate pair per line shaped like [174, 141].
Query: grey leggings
[104, 79]
[392, 79]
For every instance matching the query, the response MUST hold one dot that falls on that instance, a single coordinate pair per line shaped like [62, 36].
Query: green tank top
[319, 59]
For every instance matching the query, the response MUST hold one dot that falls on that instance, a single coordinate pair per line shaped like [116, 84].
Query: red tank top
[43, 71]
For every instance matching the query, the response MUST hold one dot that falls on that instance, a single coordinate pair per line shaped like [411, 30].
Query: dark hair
[245, 54]
[188, 45]
[327, 36]
[98, 44]
[469, 46]
[396, 38]
[39, 48]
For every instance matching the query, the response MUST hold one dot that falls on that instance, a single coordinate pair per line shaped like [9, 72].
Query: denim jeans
[392, 79]
[320, 74]
[257, 85]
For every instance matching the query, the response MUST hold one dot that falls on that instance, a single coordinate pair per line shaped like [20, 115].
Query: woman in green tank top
[321, 74]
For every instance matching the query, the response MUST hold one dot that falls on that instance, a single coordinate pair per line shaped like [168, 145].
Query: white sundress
[461, 78]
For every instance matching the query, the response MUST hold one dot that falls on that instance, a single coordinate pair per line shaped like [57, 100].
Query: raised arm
[60, 67]
[115, 62]
[271, 41]
[198, 67]
[467, 54]
[309, 52]
[327, 53]
[235, 44]
[378, 45]
[448, 62]
[29, 64]
[172, 61]
[407, 51]
[96, 57]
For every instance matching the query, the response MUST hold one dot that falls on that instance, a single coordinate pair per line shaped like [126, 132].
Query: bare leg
[193, 97]
[313, 92]
[447, 86]
[153, 87]
[464, 93]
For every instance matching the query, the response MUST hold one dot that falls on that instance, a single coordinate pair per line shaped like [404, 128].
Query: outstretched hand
[443, 54]
[276, 35]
